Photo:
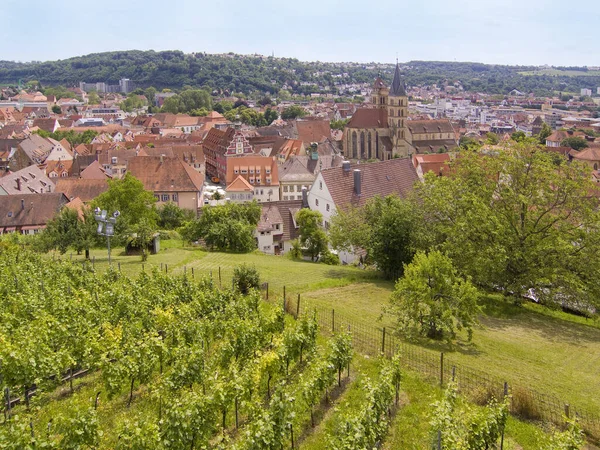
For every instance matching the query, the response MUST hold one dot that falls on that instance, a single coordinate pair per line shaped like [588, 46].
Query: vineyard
[161, 361]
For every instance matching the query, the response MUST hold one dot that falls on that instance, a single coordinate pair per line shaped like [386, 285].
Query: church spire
[398, 88]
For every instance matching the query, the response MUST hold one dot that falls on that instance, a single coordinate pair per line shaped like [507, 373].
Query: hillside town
[391, 138]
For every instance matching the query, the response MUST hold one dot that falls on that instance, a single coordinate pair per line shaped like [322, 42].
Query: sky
[514, 32]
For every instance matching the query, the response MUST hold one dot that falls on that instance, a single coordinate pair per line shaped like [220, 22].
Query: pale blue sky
[490, 31]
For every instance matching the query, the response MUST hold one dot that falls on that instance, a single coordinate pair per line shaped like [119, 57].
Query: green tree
[431, 299]
[312, 236]
[246, 278]
[56, 109]
[93, 98]
[575, 142]
[385, 227]
[171, 216]
[338, 124]
[270, 115]
[469, 143]
[492, 138]
[544, 133]
[284, 95]
[228, 227]
[293, 112]
[515, 220]
[129, 197]
[150, 94]
[518, 136]
[172, 105]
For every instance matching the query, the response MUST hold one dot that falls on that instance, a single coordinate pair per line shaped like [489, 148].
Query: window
[298, 197]
[299, 188]
[174, 197]
[258, 171]
[327, 207]
[277, 226]
[258, 181]
[285, 188]
[157, 197]
[269, 180]
[261, 192]
[165, 197]
[320, 185]
[252, 180]
[236, 171]
[316, 202]
[268, 170]
[244, 171]
[251, 170]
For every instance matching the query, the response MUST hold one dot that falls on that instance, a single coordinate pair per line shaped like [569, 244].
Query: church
[385, 131]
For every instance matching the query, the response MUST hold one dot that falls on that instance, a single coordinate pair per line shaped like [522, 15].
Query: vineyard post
[567, 411]
[267, 290]
[161, 266]
[383, 342]
[503, 426]
[292, 434]
[439, 440]
[192, 273]
[94, 262]
[284, 293]
[210, 273]
[298, 307]
[143, 268]
[166, 268]
[442, 369]
[185, 271]
[348, 360]
[219, 276]
[119, 264]
[7, 395]
[333, 320]
[236, 413]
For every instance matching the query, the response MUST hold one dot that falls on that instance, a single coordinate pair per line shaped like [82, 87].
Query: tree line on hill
[231, 73]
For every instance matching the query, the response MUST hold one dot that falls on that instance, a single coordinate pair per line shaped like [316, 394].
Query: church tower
[397, 114]
[380, 94]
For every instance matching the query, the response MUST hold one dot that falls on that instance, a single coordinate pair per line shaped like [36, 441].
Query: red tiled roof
[369, 118]
[84, 189]
[395, 176]
[165, 174]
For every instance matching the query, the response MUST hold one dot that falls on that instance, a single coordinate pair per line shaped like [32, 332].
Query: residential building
[435, 162]
[259, 172]
[170, 179]
[355, 184]
[126, 85]
[29, 180]
[277, 227]
[586, 92]
[84, 189]
[29, 213]
[219, 146]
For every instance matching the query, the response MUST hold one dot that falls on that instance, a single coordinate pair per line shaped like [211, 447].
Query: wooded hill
[248, 73]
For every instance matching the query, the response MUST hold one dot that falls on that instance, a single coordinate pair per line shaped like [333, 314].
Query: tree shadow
[502, 315]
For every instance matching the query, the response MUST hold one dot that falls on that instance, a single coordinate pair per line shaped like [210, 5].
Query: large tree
[228, 227]
[517, 219]
[384, 227]
[128, 196]
[432, 299]
[71, 228]
[312, 236]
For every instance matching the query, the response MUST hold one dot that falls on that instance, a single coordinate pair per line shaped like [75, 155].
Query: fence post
[119, 264]
[94, 262]
[502, 434]
[453, 373]
[284, 292]
[383, 342]
[567, 411]
[439, 440]
[166, 268]
[333, 320]
[219, 276]
[192, 273]
[184, 270]
[267, 290]
[442, 369]
[143, 268]
[298, 307]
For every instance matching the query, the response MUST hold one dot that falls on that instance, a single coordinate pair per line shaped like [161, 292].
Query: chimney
[346, 166]
[304, 197]
[357, 180]
[18, 184]
[22, 204]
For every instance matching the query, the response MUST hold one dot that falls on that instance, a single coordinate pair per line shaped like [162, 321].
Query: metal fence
[438, 368]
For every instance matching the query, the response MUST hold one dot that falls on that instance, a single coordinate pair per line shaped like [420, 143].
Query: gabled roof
[94, 172]
[287, 210]
[254, 163]
[429, 126]
[395, 176]
[313, 130]
[369, 118]
[587, 154]
[84, 189]
[239, 185]
[31, 179]
[165, 174]
[30, 209]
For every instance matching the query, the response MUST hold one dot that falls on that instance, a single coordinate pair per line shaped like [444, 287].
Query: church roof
[398, 87]
[369, 118]
[379, 83]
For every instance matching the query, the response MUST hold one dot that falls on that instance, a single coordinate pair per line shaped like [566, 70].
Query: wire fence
[438, 368]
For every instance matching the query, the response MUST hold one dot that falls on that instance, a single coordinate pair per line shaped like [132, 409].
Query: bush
[330, 259]
[296, 250]
[246, 278]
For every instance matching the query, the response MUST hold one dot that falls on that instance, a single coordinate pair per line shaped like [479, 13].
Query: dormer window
[257, 171]
[236, 171]
[268, 170]
[258, 180]
[113, 160]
